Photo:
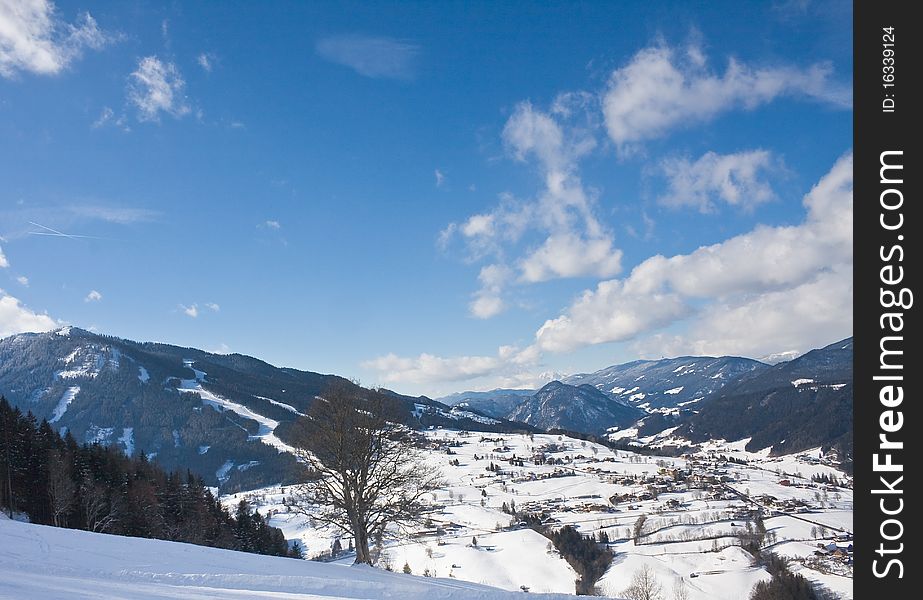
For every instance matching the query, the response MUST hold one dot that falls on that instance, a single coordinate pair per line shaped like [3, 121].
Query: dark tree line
[55, 481]
[784, 584]
[587, 555]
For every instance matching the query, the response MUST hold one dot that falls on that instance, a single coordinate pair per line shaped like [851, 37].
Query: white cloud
[93, 296]
[440, 177]
[205, 61]
[270, 224]
[190, 311]
[107, 116]
[212, 306]
[662, 88]
[556, 235]
[23, 280]
[35, 39]
[613, 312]
[786, 322]
[375, 57]
[427, 368]
[737, 179]
[733, 274]
[16, 318]
[488, 301]
[4, 263]
[570, 255]
[510, 364]
[771, 290]
[120, 215]
[157, 87]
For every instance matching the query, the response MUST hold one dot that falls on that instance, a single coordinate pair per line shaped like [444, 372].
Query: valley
[697, 509]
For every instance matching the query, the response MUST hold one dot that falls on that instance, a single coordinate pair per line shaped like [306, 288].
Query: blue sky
[430, 196]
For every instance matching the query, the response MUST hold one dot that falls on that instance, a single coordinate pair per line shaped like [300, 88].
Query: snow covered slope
[663, 385]
[51, 564]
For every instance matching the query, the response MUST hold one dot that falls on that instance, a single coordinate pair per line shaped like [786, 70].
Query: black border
[876, 131]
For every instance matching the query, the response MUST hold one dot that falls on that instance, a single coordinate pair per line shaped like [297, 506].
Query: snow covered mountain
[495, 403]
[225, 417]
[575, 408]
[792, 406]
[670, 383]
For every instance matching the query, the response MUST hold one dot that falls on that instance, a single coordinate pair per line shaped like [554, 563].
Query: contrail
[55, 233]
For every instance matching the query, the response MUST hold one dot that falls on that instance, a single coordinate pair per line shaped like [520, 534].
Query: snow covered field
[691, 534]
[697, 509]
[47, 563]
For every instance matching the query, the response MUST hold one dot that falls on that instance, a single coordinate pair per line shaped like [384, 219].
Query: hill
[792, 406]
[225, 417]
[62, 564]
[575, 408]
[670, 383]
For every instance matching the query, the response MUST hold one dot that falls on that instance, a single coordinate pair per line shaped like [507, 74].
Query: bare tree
[99, 513]
[61, 487]
[361, 472]
[644, 586]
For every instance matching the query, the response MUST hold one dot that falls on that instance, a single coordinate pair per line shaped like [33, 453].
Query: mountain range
[795, 405]
[227, 417]
[224, 416]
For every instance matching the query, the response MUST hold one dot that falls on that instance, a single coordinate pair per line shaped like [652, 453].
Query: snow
[128, 440]
[675, 390]
[507, 560]
[64, 331]
[681, 367]
[287, 407]
[723, 575]
[64, 564]
[577, 493]
[638, 396]
[625, 433]
[799, 382]
[466, 414]
[115, 358]
[99, 435]
[266, 425]
[223, 470]
[693, 401]
[203, 449]
[143, 375]
[66, 398]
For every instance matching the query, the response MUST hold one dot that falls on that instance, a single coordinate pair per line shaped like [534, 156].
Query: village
[690, 517]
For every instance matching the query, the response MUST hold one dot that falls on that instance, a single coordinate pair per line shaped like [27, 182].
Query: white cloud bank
[17, 318]
[557, 234]
[93, 296]
[771, 290]
[34, 38]
[663, 88]
[736, 179]
[736, 277]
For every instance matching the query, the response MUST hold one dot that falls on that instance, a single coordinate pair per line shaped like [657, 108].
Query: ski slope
[62, 564]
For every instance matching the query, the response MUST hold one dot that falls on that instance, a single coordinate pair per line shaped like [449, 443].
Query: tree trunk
[363, 556]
